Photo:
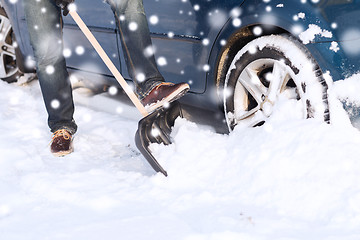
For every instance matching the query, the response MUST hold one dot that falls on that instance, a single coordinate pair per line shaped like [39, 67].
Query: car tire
[9, 68]
[266, 68]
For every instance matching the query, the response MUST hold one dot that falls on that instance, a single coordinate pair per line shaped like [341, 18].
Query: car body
[197, 40]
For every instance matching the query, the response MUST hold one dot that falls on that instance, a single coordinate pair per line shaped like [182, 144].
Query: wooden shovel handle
[108, 62]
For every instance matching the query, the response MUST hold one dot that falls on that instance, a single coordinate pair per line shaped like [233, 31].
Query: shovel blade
[156, 128]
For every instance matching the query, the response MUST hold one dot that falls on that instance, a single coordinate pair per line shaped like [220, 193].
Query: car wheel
[9, 70]
[265, 69]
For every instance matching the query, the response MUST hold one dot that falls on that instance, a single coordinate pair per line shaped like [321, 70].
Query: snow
[289, 179]
[298, 58]
[309, 34]
[334, 46]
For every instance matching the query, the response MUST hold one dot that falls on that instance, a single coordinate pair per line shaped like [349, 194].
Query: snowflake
[161, 61]
[55, 104]
[80, 50]
[122, 18]
[154, 20]
[257, 31]
[205, 42]
[67, 52]
[206, 68]
[113, 90]
[217, 18]
[149, 51]
[171, 34]
[235, 12]
[133, 26]
[140, 77]
[50, 69]
[236, 22]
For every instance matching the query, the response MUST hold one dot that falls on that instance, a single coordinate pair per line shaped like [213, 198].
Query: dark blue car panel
[295, 17]
[194, 26]
[100, 19]
[344, 16]
[192, 23]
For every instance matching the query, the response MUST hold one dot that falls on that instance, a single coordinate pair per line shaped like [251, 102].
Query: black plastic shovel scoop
[154, 127]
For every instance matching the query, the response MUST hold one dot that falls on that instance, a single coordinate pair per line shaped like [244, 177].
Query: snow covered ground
[289, 179]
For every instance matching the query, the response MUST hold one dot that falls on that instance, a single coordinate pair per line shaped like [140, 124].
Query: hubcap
[257, 90]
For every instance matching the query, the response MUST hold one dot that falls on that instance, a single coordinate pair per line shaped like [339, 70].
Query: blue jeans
[45, 30]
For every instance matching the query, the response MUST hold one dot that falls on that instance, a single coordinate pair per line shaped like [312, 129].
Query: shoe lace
[163, 84]
[61, 132]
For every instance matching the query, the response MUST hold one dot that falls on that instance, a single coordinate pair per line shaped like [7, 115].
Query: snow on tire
[265, 69]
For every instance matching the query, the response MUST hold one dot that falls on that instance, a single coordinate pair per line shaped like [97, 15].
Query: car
[239, 56]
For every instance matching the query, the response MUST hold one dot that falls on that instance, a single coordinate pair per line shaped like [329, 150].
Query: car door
[180, 39]
[99, 17]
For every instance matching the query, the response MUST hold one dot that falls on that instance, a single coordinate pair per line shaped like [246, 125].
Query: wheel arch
[234, 43]
[223, 56]
[286, 19]
[300, 59]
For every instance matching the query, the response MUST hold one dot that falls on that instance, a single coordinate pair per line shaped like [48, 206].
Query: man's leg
[151, 87]
[136, 44]
[45, 28]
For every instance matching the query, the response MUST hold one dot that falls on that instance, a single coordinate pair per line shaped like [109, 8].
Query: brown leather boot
[61, 143]
[164, 93]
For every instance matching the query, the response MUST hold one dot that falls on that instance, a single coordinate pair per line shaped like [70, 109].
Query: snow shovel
[154, 127]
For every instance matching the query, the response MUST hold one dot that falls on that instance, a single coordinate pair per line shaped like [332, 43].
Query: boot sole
[169, 99]
[63, 153]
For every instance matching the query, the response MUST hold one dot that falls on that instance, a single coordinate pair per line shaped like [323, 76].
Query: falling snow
[154, 20]
[205, 42]
[149, 51]
[55, 104]
[50, 69]
[236, 22]
[257, 31]
[140, 77]
[288, 179]
[161, 61]
[171, 34]
[67, 52]
[80, 50]
[113, 90]
[133, 26]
